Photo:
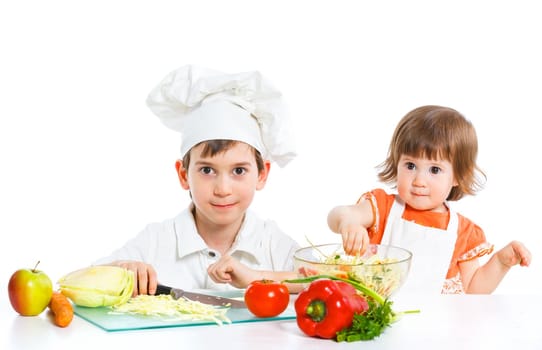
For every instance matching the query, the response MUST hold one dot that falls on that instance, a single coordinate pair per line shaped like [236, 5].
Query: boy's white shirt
[181, 257]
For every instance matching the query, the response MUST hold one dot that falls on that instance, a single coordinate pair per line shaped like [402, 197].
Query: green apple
[29, 291]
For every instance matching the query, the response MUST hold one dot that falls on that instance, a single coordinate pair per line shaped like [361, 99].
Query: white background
[85, 165]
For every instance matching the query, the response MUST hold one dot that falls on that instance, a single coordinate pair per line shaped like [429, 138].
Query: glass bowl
[382, 268]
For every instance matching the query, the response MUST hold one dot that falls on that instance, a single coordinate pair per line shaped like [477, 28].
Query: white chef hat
[204, 104]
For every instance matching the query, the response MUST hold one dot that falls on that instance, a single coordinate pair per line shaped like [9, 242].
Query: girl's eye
[239, 171]
[206, 170]
[410, 166]
[435, 170]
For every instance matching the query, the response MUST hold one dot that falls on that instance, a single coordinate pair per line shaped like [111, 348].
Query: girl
[431, 160]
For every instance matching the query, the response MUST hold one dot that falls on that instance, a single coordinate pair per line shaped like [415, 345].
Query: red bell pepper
[327, 306]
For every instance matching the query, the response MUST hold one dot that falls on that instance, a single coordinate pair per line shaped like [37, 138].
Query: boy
[232, 127]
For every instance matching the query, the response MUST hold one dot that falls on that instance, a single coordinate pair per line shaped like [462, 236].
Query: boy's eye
[206, 170]
[435, 170]
[239, 171]
[410, 166]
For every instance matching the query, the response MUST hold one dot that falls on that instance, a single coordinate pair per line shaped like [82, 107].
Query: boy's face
[223, 186]
[424, 184]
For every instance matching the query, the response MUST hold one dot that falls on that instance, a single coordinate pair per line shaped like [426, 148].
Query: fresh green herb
[369, 325]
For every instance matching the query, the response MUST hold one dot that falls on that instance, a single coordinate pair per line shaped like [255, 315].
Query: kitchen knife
[177, 293]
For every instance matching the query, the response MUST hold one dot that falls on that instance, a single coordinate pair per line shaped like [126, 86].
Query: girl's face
[223, 186]
[424, 184]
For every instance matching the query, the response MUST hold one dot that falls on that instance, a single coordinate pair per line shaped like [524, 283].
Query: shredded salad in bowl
[382, 268]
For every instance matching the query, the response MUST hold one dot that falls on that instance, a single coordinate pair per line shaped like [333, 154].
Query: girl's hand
[229, 270]
[355, 239]
[145, 276]
[351, 222]
[513, 254]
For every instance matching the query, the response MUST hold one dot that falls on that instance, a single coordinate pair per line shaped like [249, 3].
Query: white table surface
[445, 322]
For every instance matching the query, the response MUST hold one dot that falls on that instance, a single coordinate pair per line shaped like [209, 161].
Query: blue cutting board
[102, 318]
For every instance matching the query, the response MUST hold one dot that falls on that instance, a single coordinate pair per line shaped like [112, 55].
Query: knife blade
[177, 293]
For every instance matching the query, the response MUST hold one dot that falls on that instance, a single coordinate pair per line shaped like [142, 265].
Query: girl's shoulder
[469, 231]
[382, 197]
[471, 242]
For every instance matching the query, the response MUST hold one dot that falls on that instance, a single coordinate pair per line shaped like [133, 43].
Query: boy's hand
[513, 254]
[145, 276]
[229, 270]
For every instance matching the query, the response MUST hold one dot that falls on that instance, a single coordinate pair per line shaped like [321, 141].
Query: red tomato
[266, 298]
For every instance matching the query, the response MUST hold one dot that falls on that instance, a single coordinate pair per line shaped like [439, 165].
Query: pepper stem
[316, 310]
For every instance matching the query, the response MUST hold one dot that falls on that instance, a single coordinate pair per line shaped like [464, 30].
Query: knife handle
[161, 289]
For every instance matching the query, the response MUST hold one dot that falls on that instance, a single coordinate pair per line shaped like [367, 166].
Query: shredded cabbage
[383, 275]
[174, 309]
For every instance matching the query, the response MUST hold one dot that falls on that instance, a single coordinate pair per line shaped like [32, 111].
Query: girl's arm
[352, 222]
[486, 278]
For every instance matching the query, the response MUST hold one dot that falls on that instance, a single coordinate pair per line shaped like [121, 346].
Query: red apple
[29, 291]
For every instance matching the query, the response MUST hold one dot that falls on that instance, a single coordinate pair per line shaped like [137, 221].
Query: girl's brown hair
[214, 147]
[437, 132]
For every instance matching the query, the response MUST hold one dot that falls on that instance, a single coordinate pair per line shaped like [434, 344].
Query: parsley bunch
[369, 325]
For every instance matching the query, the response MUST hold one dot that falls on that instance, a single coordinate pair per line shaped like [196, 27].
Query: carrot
[61, 308]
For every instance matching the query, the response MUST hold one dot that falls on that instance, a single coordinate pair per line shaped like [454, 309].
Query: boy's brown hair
[436, 132]
[214, 147]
